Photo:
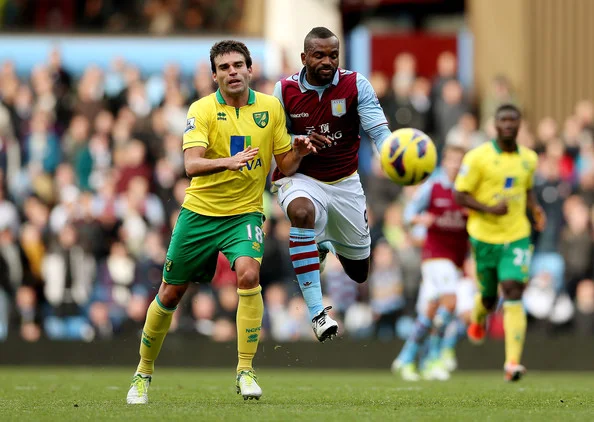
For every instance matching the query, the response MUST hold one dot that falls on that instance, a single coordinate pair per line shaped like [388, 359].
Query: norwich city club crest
[261, 118]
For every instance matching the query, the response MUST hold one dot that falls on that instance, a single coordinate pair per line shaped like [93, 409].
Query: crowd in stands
[92, 178]
[156, 17]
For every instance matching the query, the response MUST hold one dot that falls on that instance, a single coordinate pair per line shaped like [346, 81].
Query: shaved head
[317, 33]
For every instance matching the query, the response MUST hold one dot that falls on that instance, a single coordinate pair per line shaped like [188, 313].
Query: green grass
[65, 394]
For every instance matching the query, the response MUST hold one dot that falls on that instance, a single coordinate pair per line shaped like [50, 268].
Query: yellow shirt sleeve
[469, 174]
[196, 132]
[282, 139]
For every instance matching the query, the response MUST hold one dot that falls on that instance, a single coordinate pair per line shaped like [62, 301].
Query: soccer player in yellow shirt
[495, 184]
[229, 141]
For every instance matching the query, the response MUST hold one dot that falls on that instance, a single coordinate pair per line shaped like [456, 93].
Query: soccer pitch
[69, 394]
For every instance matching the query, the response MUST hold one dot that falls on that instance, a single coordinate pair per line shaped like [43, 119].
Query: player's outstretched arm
[465, 199]
[197, 165]
[288, 162]
[538, 213]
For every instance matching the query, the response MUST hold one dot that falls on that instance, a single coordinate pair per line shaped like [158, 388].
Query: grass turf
[65, 394]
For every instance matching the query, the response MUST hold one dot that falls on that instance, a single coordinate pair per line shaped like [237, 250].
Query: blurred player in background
[495, 183]
[443, 255]
[324, 200]
[228, 144]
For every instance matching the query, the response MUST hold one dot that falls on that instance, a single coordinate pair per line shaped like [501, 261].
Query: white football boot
[324, 326]
[247, 385]
[138, 392]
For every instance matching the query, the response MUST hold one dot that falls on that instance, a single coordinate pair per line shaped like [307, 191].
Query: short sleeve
[281, 138]
[469, 174]
[196, 132]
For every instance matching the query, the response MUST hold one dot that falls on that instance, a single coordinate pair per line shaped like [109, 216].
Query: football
[408, 156]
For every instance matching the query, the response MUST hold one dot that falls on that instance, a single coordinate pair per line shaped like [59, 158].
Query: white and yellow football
[408, 156]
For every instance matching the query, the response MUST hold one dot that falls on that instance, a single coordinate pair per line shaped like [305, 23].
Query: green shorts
[501, 262]
[197, 240]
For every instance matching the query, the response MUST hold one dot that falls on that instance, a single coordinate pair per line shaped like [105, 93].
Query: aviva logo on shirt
[238, 144]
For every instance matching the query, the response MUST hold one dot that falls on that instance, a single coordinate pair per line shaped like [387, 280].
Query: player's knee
[248, 279]
[489, 302]
[512, 290]
[359, 276]
[302, 214]
[171, 294]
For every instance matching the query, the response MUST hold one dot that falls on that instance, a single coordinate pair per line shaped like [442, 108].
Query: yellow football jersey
[490, 175]
[224, 131]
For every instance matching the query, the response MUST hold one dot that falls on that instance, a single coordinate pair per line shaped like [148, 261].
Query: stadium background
[93, 97]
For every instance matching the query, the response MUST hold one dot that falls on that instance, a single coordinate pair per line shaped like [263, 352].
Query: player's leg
[304, 203]
[445, 276]
[426, 307]
[513, 271]
[347, 226]
[465, 293]
[487, 258]
[242, 242]
[190, 257]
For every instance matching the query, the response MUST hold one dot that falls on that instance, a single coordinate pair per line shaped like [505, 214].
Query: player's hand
[499, 209]
[540, 218]
[319, 141]
[239, 160]
[426, 219]
[303, 146]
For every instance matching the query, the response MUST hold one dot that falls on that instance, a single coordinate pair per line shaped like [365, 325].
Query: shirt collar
[499, 150]
[301, 79]
[251, 97]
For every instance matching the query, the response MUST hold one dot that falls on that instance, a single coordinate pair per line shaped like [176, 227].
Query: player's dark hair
[317, 33]
[508, 107]
[229, 46]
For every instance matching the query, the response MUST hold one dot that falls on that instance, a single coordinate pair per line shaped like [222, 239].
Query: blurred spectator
[68, 273]
[501, 92]
[448, 110]
[465, 133]
[116, 297]
[385, 291]
[577, 236]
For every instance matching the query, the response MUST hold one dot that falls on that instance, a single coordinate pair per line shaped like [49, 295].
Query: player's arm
[467, 181]
[197, 165]
[415, 212]
[371, 114]
[288, 150]
[196, 142]
[538, 213]
[317, 140]
[532, 205]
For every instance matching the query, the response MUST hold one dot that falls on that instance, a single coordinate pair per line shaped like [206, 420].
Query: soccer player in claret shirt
[495, 183]
[324, 200]
[228, 144]
[443, 255]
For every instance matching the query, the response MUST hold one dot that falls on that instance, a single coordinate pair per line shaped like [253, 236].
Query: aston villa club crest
[339, 107]
[261, 119]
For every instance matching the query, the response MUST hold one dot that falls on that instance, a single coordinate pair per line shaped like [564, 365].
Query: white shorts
[341, 212]
[440, 277]
[465, 294]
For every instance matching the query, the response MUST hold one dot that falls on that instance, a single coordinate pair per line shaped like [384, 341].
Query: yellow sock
[249, 322]
[479, 312]
[514, 324]
[158, 320]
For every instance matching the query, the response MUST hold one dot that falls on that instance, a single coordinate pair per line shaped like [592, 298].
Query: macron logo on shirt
[299, 116]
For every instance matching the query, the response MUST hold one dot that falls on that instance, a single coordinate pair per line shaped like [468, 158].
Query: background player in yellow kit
[495, 183]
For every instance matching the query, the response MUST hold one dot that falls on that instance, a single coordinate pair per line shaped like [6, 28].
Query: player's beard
[322, 78]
